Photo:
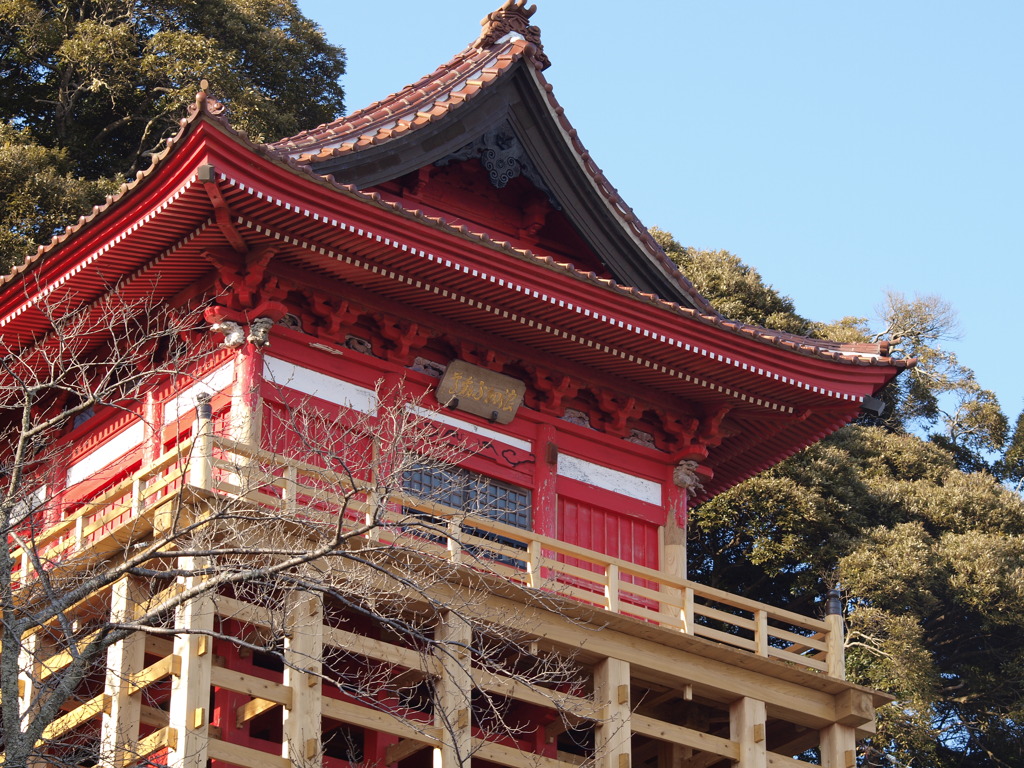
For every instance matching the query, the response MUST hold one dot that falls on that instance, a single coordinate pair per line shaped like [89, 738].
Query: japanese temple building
[454, 241]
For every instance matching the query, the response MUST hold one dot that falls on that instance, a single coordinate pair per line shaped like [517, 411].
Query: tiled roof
[208, 108]
[488, 61]
[506, 40]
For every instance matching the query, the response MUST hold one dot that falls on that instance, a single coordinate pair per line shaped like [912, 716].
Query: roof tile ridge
[513, 19]
[309, 136]
[463, 87]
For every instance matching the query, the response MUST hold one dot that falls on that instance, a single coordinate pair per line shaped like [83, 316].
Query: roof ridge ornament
[206, 103]
[512, 17]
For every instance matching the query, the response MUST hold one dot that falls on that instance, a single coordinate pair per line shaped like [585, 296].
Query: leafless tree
[223, 541]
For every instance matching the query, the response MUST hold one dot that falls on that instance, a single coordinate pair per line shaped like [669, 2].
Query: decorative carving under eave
[485, 357]
[615, 412]
[241, 281]
[259, 332]
[334, 316]
[234, 333]
[503, 157]
[402, 336]
[551, 389]
[233, 325]
[513, 16]
[685, 476]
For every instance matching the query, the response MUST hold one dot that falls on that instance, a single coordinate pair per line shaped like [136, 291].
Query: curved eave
[785, 394]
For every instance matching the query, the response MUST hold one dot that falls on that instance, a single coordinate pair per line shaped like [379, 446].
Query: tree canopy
[92, 87]
[907, 515]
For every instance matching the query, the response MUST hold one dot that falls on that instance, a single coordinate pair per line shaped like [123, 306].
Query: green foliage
[926, 543]
[108, 80]
[38, 194]
[932, 563]
[734, 289]
[1011, 466]
[92, 87]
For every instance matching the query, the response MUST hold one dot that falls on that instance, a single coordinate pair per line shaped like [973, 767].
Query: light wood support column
[747, 720]
[120, 728]
[838, 746]
[303, 654]
[189, 715]
[454, 687]
[612, 734]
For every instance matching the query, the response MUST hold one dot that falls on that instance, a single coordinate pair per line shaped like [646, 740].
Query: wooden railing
[538, 563]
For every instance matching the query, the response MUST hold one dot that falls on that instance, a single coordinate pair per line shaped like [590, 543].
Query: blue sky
[842, 149]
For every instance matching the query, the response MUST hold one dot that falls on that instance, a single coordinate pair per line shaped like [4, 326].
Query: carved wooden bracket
[334, 317]
[614, 412]
[485, 357]
[402, 336]
[240, 279]
[550, 391]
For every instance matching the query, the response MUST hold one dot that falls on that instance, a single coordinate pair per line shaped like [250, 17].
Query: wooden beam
[239, 755]
[158, 670]
[303, 656]
[453, 690]
[612, 748]
[75, 718]
[403, 749]
[189, 714]
[250, 685]
[364, 717]
[687, 737]
[514, 758]
[120, 729]
[147, 745]
[253, 708]
[747, 724]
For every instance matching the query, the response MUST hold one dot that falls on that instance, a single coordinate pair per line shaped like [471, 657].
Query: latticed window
[470, 492]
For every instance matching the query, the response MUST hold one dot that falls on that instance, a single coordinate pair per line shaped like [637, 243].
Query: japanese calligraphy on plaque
[476, 390]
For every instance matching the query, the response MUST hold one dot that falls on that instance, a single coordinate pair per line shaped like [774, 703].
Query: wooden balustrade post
[747, 723]
[688, 617]
[836, 636]
[761, 632]
[303, 656]
[202, 444]
[534, 555]
[613, 732]
[119, 732]
[672, 540]
[189, 714]
[454, 541]
[453, 692]
[838, 746]
[611, 588]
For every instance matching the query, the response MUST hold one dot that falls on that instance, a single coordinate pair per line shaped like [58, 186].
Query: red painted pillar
[673, 555]
[545, 497]
[246, 398]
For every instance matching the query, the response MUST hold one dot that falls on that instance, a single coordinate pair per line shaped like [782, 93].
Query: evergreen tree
[907, 517]
[101, 83]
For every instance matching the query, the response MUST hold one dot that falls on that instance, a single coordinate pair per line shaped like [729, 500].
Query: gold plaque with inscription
[494, 396]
